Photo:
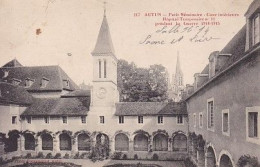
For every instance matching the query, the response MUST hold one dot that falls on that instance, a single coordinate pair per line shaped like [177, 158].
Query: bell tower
[104, 91]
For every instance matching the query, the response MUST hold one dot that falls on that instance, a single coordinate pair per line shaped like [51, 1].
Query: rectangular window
[101, 119]
[140, 119]
[64, 119]
[121, 119]
[200, 120]
[160, 119]
[83, 119]
[252, 124]
[225, 121]
[194, 120]
[105, 69]
[99, 68]
[47, 120]
[210, 114]
[29, 120]
[179, 119]
[14, 119]
[256, 29]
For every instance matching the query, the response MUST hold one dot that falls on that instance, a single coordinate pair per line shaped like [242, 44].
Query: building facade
[224, 106]
[61, 118]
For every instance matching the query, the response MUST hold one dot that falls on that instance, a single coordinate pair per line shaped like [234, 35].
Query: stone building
[224, 122]
[61, 118]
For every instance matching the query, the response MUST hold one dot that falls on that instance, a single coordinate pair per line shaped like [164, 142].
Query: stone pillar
[38, 147]
[74, 146]
[169, 144]
[112, 145]
[131, 145]
[21, 143]
[56, 144]
[150, 144]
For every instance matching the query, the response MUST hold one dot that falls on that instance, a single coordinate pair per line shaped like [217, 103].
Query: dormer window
[16, 81]
[6, 73]
[66, 83]
[28, 82]
[256, 29]
[44, 82]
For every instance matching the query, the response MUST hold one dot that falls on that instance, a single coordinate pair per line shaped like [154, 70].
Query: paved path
[89, 163]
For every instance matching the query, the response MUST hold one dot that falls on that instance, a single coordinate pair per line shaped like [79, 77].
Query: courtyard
[89, 163]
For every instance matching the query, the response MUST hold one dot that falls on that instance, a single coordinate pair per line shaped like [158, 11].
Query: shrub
[189, 163]
[28, 155]
[135, 157]
[124, 157]
[83, 156]
[248, 160]
[40, 155]
[49, 156]
[57, 156]
[116, 155]
[76, 156]
[66, 156]
[155, 157]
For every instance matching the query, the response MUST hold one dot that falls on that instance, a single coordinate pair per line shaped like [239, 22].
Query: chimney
[200, 79]
[216, 62]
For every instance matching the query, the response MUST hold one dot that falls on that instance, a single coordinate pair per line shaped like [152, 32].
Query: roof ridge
[31, 66]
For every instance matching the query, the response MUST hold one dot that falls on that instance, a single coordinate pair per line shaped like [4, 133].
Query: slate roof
[104, 43]
[235, 47]
[10, 94]
[54, 74]
[58, 106]
[78, 93]
[13, 63]
[149, 108]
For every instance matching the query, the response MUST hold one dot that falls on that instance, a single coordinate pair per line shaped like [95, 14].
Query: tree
[141, 84]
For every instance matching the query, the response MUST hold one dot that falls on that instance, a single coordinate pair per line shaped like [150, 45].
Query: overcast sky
[72, 26]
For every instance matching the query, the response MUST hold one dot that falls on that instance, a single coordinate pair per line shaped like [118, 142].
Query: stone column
[75, 146]
[169, 144]
[38, 147]
[21, 143]
[131, 145]
[112, 145]
[56, 144]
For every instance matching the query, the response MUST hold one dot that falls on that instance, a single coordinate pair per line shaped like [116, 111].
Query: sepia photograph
[112, 83]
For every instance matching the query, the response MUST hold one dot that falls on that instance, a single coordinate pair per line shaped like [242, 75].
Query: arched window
[65, 142]
[140, 142]
[83, 142]
[12, 143]
[211, 158]
[180, 142]
[160, 142]
[99, 68]
[105, 69]
[47, 142]
[29, 143]
[225, 161]
[121, 142]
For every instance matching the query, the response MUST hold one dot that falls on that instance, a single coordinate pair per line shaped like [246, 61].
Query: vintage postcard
[112, 83]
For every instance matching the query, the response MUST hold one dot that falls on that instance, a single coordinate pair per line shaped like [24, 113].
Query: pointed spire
[178, 66]
[105, 8]
[104, 43]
